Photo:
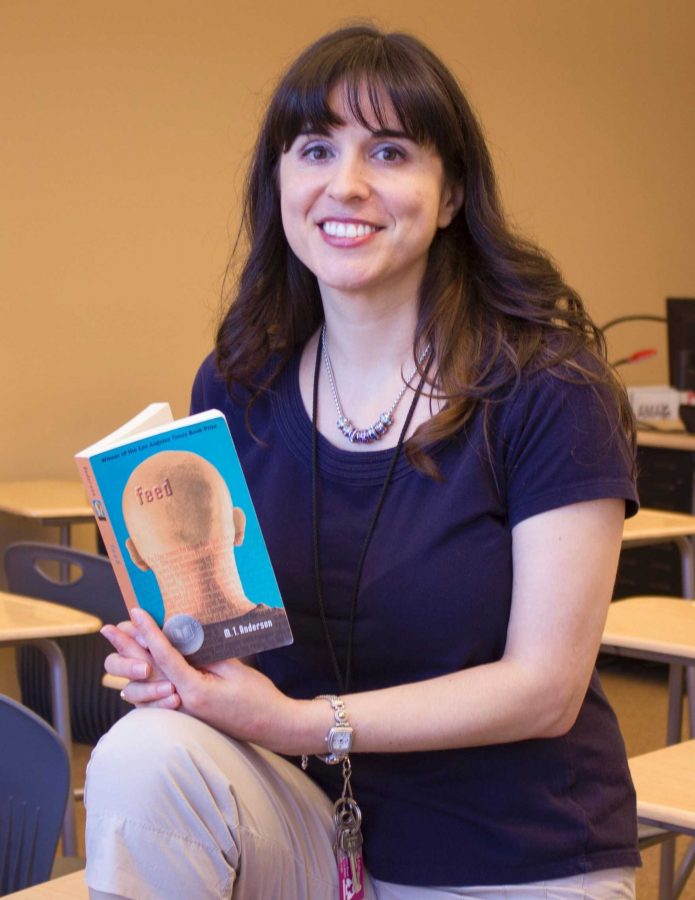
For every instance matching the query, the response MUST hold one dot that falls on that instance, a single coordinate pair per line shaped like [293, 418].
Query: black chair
[93, 708]
[34, 784]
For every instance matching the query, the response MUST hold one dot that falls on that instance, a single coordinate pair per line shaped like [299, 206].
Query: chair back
[34, 784]
[93, 708]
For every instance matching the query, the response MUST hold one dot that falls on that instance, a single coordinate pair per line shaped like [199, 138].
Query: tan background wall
[125, 128]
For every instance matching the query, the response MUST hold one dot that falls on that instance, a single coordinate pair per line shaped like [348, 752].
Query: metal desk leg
[685, 548]
[685, 870]
[64, 541]
[61, 723]
[667, 867]
[668, 888]
[667, 861]
[675, 704]
[690, 695]
[672, 882]
[688, 583]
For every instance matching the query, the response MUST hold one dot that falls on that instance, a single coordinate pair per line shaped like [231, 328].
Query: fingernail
[140, 670]
[137, 616]
[165, 689]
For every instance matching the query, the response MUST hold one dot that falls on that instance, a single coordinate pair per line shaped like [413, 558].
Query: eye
[389, 153]
[316, 152]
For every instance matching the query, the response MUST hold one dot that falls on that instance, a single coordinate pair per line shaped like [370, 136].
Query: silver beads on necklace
[385, 420]
[364, 435]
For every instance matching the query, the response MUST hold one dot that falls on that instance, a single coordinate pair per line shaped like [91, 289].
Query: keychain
[348, 840]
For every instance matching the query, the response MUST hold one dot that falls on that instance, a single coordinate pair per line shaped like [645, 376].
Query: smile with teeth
[347, 229]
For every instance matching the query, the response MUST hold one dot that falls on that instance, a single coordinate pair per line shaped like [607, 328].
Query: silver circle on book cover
[185, 633]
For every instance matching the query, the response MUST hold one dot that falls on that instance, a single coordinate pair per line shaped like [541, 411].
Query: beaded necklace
[344, 680]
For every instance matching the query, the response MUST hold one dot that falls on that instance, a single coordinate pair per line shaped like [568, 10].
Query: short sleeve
[209, 391]
[562, 443]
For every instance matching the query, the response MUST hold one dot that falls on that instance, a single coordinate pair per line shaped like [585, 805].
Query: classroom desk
[69, 887]
[665, 781]
[656, 526]
[25, 620]
[660, 629]
[673, 437]
[666, 480]
[665, 785]
[48, 501]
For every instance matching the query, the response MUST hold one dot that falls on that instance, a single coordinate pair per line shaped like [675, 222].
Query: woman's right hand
[147, 685]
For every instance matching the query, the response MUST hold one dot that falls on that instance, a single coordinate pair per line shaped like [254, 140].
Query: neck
[370, 343]
[209, 593]
[373, 341]
[381, 425]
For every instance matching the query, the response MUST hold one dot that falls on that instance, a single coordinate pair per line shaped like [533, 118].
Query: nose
[349, 179]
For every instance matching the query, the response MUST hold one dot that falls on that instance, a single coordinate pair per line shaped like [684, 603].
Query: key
[347, 818]
[350, 870]
[351, 844]
[348, 844]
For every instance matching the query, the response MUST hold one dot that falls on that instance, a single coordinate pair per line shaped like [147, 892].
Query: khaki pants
[177, 810]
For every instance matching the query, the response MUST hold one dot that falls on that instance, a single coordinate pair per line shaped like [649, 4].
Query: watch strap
[338, 707]
[342, 726]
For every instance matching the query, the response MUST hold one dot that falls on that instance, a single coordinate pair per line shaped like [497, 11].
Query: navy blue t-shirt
[435, 598]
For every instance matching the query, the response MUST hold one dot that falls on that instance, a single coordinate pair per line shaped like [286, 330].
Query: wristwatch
[339, 737]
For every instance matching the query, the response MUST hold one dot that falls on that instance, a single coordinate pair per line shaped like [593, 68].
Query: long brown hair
[492, 304]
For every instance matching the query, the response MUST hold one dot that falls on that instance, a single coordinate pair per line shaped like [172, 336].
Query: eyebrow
[314, 129]
[379, 133]
[392, 133]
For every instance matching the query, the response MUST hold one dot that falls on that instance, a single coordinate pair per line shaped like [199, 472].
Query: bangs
[380, 76]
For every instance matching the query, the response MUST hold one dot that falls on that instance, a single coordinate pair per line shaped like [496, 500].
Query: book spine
[107, 533]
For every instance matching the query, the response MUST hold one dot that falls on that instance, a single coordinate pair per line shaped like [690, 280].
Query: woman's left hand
[229, 695]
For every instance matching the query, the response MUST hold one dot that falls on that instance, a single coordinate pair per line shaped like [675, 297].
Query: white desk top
[663, 625]
[675, 438]
[657, 525]
[665, 784]
[45, 499]
[69, 887]
[26, 619]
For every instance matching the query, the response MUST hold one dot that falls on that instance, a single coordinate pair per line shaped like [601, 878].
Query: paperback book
[176, 517]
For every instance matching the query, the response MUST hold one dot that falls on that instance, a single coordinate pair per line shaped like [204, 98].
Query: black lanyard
[344, 682]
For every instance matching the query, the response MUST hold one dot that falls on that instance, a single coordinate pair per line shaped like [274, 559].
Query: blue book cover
[179, 526]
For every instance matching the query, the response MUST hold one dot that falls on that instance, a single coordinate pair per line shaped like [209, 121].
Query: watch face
[341, 739]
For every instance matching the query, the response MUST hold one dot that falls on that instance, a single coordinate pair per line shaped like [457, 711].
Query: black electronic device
[680, 323]
[686, 414]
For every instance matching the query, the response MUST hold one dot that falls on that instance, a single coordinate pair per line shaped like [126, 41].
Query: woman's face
[360, 208]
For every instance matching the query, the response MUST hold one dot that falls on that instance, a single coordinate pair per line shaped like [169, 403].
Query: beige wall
[125, 128]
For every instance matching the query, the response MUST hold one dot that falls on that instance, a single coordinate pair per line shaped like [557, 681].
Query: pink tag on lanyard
[345, 884]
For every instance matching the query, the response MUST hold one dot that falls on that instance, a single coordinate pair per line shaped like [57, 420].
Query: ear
[135, 556]
[452, 199]
[239, 526]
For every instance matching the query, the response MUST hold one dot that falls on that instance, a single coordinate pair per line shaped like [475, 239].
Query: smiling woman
[370, 190]
[447, 590]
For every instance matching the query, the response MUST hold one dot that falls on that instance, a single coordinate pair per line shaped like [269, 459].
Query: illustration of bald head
[183, 526]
